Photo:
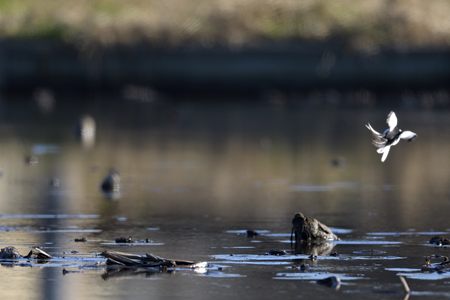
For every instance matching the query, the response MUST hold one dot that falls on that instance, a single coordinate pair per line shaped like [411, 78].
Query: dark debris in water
[277, 252]
[11, 253]
[115, 258]
[130, 240]
[332, 282]
[439, 241]
[252, 233]
[124, 240]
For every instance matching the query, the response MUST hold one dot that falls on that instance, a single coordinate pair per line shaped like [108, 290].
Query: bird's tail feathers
[385, 153]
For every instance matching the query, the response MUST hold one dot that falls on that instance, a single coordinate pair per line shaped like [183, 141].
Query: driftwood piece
[38, 253]
[308, 230]
[147, 261]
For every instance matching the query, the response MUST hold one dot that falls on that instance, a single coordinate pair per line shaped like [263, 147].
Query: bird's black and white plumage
[390, 137]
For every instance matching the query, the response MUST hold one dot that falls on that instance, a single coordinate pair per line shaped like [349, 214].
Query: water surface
[195, 176]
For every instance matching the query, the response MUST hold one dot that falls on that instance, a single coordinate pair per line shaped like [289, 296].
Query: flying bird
[390, 137]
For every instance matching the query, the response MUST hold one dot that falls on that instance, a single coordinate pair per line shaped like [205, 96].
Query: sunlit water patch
[49, 216]
[314, 188]
[426, 276]
[149, 243]
[256, 257]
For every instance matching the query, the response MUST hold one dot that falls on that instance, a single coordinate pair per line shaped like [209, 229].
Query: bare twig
[405, 285]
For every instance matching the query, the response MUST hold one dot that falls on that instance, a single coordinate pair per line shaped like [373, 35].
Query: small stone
[124, 240]
[439, 240]
[277, 252]
[252, 233]
[304, 267]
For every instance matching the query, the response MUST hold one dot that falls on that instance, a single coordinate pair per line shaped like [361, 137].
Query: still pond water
[196, 176]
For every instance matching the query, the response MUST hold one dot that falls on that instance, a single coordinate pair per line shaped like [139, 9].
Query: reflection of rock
[308, 230]
[114, 272]
[321, 249]
[86, 131]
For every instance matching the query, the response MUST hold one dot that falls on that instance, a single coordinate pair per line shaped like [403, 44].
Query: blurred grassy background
[358, 24]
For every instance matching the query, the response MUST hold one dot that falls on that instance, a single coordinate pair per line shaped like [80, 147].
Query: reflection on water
[199, 172]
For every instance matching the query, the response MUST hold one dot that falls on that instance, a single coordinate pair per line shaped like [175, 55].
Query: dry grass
[359, 23]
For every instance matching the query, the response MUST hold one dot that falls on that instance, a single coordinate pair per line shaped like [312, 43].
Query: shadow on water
[195, 177]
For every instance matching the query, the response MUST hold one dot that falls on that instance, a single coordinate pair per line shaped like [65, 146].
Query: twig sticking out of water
[405, 285]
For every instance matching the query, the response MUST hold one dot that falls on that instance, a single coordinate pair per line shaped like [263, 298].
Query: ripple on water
[49, 216]
[41, 149]
[425, 275]
[406, 233]
[356, 242]
[313, 276]
[47, 230]
[335, 230]
[314, 188]
[244, 231]
[257, 257]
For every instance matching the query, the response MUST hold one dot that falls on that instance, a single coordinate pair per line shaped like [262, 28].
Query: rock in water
[12, 253]
[9, 253]
[332, 282]
[309, 230]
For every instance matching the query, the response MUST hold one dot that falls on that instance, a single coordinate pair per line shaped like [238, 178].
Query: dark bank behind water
[29, 64]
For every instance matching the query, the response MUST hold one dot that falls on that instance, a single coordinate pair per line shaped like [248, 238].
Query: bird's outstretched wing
[408, 135]
[391, 121]
[377, 138]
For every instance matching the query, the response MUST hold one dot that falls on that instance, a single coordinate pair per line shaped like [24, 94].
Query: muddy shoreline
[28, 64]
